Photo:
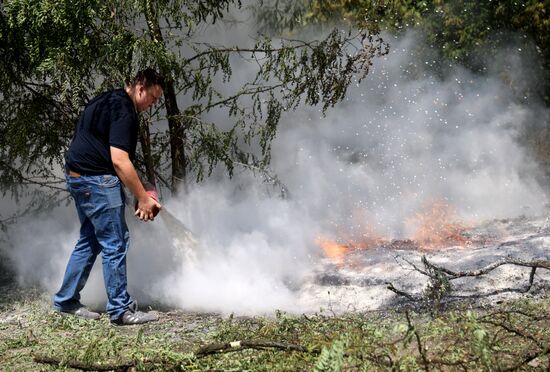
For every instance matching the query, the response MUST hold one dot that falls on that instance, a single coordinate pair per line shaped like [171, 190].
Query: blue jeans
[99, 202]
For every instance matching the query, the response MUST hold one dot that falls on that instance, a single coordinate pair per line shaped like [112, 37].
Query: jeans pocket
[109, 181]
[114, 197]
[81, 193]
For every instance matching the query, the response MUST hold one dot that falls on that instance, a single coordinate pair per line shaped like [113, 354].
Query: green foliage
[499, 338]
[468, 32]
[276, 16]
[438, 286]
[57, 54]
[332, 358]
[49, 51]
[481, 343]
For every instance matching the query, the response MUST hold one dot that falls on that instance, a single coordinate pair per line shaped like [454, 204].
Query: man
[98, 160]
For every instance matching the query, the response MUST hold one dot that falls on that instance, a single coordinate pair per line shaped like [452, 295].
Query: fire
[338, 252]
[435, 228]
[333, 250]
[432, 228]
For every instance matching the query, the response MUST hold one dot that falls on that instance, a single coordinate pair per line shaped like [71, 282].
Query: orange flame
[336, 252]
[433, 228]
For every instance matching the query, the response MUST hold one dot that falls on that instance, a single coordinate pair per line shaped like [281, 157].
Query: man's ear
[141, 88]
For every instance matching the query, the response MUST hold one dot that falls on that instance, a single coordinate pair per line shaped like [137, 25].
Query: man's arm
[129, 177]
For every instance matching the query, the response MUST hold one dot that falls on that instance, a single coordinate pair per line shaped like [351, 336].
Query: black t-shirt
[108, 120]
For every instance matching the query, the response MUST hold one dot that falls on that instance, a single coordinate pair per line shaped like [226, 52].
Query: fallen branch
[401, 293]
[421, 349]
[209, 349]
[440, 277]
[507, 261]
[530, 357]
[225, 347]
[518, 332]
[83, 366]
[531, 317]
[531, 279]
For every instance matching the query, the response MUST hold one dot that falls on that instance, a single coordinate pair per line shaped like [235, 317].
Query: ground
[497, 321]
[510, 335]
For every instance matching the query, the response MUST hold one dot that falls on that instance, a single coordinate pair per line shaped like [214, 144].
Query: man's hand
[147, 209]
[127, 173]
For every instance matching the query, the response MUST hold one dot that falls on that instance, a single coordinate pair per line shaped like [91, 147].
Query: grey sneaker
[82, 312]
[133, 316]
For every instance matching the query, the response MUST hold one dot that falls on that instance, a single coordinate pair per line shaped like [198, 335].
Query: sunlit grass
[512, 334]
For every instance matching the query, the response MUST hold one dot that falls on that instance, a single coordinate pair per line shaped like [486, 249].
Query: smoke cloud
[404, 138]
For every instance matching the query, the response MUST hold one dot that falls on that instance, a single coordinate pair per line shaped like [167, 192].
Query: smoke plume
[404, 138]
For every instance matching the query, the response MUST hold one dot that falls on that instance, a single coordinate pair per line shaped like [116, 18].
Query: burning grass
[433, 228]
[512, 335]
[436, 227]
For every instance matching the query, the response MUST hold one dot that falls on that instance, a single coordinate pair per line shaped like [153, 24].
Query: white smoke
[399, 142]
[404, 138]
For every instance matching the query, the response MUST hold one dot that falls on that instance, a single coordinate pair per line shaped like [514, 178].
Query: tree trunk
[177, 137]
[145, 140]
[175, 125]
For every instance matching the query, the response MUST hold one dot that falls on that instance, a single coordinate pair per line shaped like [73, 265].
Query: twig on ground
[215, 348]
[415, 267]
[399, 292]
[432, 271]
[532, 317]
[224, 347]
[513, 330]
[83, 366]
[531, 279]
[530, 357]
[421, 350]
[506, 261]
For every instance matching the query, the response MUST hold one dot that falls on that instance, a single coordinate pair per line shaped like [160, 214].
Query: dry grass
[515, 334]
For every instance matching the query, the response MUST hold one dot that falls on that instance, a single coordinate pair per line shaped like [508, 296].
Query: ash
[360, 283]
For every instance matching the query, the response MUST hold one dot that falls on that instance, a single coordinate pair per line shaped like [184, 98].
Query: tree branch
[438, 274]
[531, 356]
[506, 261]
[421, 350]
[401, 293]
[225, 347]
[83, 366]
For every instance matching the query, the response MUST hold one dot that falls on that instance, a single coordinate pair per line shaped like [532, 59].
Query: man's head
[145, 88]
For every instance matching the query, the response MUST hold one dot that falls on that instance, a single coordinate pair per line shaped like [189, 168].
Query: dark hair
[147, 77]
